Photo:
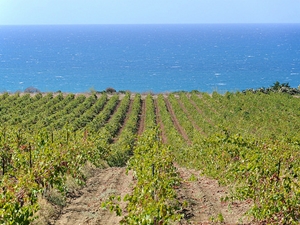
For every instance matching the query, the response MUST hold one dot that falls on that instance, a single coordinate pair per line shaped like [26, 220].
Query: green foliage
[122, 149]
[172, 133]
[154, 197]
[249, 141]
[264, 171]
[257, 154]
[110, 90]
[150, 117]
[276, 87]
[153, 200]
[34, 163]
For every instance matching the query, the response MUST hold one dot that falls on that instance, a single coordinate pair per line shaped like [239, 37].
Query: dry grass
[47, 212]
[52, 202]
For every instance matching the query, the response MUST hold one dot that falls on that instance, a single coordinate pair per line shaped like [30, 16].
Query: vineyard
[248, 142]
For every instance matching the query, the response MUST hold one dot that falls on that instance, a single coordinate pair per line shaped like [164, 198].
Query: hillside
[243, 147]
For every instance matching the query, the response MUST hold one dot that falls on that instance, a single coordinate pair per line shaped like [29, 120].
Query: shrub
[32, 90]
[110, 90]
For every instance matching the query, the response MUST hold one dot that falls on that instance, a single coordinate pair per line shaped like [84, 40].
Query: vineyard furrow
[115, 110]
[176, 122]
[90, 113]
[201, 112]
[248, 142]
[190, 118]
[116, 120]
[45, 120]
[40, 108]
[101, 119]
[150, 116]
[206, 101]
[160, 123]
[142, 118]
[208, 114]
[87, 208]
[204, 196]
[75, 113]
[122, 149]
[123, 124]
[174, 138]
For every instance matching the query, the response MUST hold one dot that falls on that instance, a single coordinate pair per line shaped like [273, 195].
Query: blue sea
[149, 58]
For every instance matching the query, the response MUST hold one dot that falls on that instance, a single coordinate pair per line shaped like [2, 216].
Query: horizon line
[126, 24]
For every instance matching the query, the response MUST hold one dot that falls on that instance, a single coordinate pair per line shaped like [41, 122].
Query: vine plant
[153, 200]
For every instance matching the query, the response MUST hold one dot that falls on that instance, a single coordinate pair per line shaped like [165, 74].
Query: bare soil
[203, 197]
[87, 209]
[201, 194]
[176, 122]
[125, 120]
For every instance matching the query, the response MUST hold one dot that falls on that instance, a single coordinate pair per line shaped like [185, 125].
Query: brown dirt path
[176, 122]
[203, 196]
[87, 208]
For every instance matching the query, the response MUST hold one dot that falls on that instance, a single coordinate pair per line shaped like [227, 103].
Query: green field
[248, 141]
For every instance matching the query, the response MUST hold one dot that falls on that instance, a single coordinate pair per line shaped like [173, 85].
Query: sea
[149, 58]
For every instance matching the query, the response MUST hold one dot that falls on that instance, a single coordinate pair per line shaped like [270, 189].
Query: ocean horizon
[149, 58]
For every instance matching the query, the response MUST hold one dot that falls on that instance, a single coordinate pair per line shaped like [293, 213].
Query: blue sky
[148, 11]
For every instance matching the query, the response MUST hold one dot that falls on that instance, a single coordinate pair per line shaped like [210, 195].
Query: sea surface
[149, 58]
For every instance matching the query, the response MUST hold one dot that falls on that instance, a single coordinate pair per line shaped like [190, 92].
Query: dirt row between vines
[176, 122]
[125, 120]
[201, 194]
[190, 117]
[141, 126]
[159, 122]
[86, 208]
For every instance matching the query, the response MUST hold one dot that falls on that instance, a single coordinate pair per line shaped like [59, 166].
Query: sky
[31, 12]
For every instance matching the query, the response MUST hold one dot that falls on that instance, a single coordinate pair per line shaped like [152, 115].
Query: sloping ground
[125, 120]
[204, 205]
[176, 122]
[201, 194]
[87, 208]
[190, 118]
